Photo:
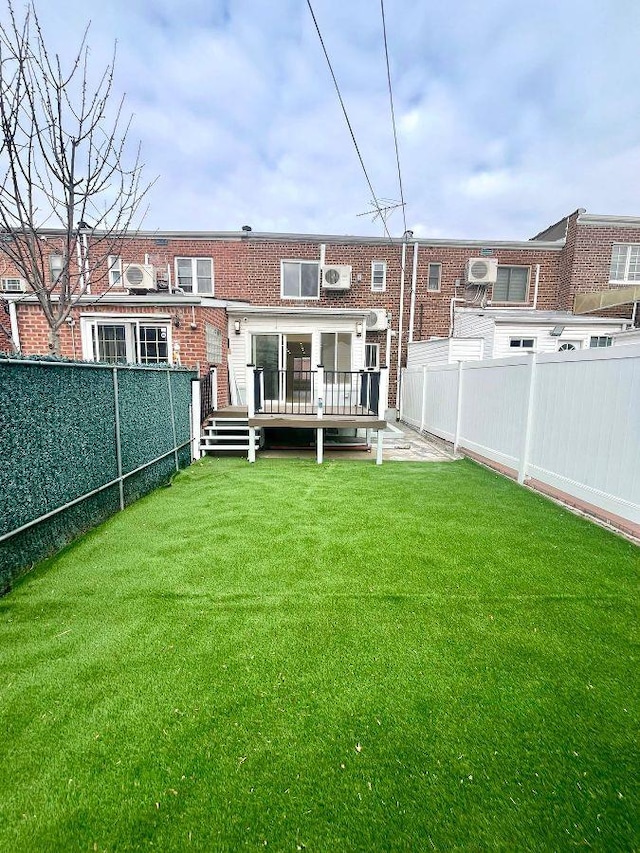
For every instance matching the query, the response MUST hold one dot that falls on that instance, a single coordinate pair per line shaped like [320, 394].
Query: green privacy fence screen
[97, 437]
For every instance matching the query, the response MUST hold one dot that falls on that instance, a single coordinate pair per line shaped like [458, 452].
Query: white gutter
[13, 319]
[535, 287]
[399, 356]
[414, 279]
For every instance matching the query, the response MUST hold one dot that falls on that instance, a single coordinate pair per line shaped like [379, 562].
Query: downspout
[535, 287]
[452, 313]
[414, 279]
[399, 362]
[13, 319]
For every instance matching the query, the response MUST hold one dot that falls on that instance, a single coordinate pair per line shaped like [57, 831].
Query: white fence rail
[570, 420]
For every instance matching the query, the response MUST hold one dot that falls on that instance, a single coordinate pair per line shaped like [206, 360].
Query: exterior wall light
[359, 329]
[236, 326]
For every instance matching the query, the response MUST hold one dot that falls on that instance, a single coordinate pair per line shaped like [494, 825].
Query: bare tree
[69, 186]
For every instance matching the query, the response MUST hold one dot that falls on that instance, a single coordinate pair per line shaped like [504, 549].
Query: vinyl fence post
[456, 440]
[526, 442]
[173, 421]
[423, 414]
[118, 444]
[400, 402]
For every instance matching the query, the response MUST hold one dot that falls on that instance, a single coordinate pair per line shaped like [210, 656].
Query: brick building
[293, 301]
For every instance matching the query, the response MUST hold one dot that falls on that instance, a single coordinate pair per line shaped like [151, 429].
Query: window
[335, 350]
[372, 356]
[195, 275]
[213, 344]
[128, 342]
[597, 341]
[512, 284]
[625, 263]
[115, 271]
[522, 343]
[378, 276]
[568, 346]
[12, 285]
[56, 263]
[433, 278]
[300, 279]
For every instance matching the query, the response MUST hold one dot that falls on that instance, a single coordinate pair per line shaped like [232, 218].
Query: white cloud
[509, 115]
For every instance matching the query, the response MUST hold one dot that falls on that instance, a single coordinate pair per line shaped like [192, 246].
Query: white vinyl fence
[569, 420]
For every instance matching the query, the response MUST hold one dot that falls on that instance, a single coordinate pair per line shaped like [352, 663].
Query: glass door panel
[266, 354]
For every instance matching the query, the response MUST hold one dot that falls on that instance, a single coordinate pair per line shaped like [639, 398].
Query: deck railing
[317, 392]
[208, 394]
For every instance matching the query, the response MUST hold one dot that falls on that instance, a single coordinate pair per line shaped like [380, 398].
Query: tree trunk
[54, 341]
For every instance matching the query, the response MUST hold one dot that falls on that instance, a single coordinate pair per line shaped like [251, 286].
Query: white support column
[456, 440]
[526, 442]
[379, 447]
[252, 444]
[319, 444]
[383, 393]
[214, 388]
[250, 393]
[423, 414]
[195, 419]
[320, 392]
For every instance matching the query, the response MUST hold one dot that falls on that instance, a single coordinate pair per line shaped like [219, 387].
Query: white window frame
[300, 261]
[88, 330]
[439, 287]
[371, 348]
[523, 301]
[521, 348]
[194, 275]
[13, 278]
[378, 267]
[601, 341]
[114, 263]
[628, 247]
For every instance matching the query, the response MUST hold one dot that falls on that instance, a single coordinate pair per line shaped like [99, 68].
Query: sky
[510, 113]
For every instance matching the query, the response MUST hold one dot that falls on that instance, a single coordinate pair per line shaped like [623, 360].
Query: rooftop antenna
[382, 209]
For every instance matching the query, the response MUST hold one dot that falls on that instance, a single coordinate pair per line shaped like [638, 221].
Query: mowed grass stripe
[336, 657]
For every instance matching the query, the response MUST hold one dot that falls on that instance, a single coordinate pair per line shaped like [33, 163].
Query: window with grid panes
[195, 275]
[378, 276]
[625, 263]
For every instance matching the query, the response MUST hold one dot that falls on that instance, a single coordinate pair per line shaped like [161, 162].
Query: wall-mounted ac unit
[12, 285]
[336, 277]
[377, 320]
[139, 276]
[482, 270]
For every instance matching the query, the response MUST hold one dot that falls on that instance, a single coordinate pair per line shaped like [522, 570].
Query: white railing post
[379, 439]
[319, 444]
[526, 441]
[250, 392]
[196, 403]
[456, 440]
[320, 392]
[423, 413]
[383, 393]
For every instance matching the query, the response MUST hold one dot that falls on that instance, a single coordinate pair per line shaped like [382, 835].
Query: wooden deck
[335, 418]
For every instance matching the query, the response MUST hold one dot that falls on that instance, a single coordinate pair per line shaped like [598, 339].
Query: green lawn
[332, 658]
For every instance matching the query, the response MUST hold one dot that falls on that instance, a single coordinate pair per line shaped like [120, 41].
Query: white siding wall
[443, 351]
[421, 353]
[240, 345]
[583, 411]
[473, 326]
[544, 342]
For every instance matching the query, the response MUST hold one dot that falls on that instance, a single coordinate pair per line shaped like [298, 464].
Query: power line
[344, 110]
[393, 116]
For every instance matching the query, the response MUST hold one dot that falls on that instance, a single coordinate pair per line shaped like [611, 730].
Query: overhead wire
[393, 115]
[346, 116]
